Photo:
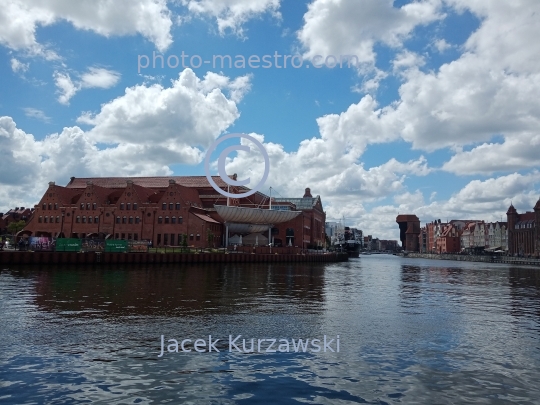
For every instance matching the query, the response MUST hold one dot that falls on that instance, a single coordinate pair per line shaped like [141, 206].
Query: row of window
[524, 226]
[94, 220]
[170, 221]
[126, 220]
[50, 219]
[88, 206]
[127, 206]
[135, 236]
[172, 206]
[44, 206]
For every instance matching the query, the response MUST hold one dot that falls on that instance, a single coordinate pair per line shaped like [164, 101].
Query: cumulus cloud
[19, 67]
[333, 27]
[232, 14]
[36, 114]
[20, 20]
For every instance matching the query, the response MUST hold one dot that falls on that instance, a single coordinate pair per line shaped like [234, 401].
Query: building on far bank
[14, 215]
[524, 231]
[165, 210]
[409, 232]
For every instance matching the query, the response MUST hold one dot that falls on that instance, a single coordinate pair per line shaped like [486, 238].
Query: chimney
[51, 183]
[307, 193]
[71, 179]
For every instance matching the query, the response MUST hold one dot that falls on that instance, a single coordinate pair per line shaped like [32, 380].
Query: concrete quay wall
[93, 258]
[473, 258]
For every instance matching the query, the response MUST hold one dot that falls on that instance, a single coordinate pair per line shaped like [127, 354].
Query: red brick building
[161, 210]
[14, 215]
[524, 231]
[409, 232]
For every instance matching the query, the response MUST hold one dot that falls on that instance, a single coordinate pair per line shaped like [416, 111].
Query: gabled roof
[148, 182]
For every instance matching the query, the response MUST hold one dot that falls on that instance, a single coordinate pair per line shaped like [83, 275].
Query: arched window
[82, 206]
[44, 207]
[88, 206]
[122, 206]
[40, 219]
[94, 206]
[90, 220]
[57, 219]
[55, 206]
[173, 220]
[46, 219]
[166, 220]
[117, 220]
[160, 220]
[96, 220]
[50, 206]
[128, 206]
[137, 220]
[164, 206]
[180, 220]
[84, 219]
[124, 220]
[130, 220]
[177, 206]
[78, 220]
[171, 206]
[134, 206]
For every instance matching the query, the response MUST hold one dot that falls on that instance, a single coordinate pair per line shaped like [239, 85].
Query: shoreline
[475, 258]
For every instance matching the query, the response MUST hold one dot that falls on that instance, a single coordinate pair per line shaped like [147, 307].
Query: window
[129, 236]
[94, 206]
[84, 219]
[40, 220]
[172, 239]
[164, 206]
[130, 220]
[159, 239]
[171, 206]
[124, 220]
[117, 221]
[160, 220]
[115, 236]
[96, 220]
[173, 220]
[122, 206]
[129, 206]
[57, 219]
[166, 220]
[50, 206]
[46, 218]
[136, 236]
[177, 206]
[82, 206]
[180, 220]
[44, 207]
[88, 206]
[90, 220]
[191, 237]
[78, 220]
[55, 206]
[137, 220]
[198, 237]
[166, 239]
[123, 236]
[134, 206]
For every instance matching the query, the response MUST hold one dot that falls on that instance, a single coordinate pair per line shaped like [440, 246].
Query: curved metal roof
[247, 228]
[254, 215]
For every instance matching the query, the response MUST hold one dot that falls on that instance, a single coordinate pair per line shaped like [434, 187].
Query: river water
[410, 330]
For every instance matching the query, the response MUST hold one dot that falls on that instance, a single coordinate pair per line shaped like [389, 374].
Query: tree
[15, 227]
[184, 240]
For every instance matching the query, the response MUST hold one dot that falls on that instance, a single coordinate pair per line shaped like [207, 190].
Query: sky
[435, 113]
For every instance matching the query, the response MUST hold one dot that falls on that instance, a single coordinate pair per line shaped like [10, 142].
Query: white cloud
[334, 27]
[37, 114]
[232, 14]
[19, 67]
[192, 111]
[94, 78]
[20, 19]
[441, 45]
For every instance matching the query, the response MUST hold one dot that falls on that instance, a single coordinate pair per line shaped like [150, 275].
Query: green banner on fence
[116, 245]
[68, 245]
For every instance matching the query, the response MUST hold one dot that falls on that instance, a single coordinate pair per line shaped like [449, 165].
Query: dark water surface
[411, 331]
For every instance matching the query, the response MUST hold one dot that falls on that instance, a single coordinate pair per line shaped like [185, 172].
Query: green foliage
[184, 240]
[210, 239]
[15, 227]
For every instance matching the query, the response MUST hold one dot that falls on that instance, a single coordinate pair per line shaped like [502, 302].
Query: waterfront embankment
[477, 258]
[92, 258]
